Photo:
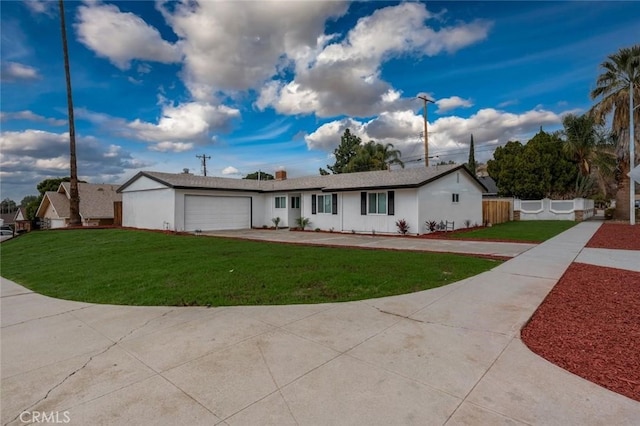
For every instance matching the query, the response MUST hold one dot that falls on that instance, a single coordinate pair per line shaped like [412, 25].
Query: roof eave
[139, 175]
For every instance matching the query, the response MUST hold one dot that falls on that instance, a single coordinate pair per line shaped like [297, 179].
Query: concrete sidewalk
[450, 355]
[380, 242]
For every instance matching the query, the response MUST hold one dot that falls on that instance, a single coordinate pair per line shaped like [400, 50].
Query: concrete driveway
[378, 242]
[450, 355]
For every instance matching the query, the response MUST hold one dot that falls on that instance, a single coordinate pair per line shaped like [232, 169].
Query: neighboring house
[490, 184]
[7, 219]
[22, 224]
[352, 202]
[96, 205]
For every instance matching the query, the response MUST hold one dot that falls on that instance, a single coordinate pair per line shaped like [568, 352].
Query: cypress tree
[471, 163]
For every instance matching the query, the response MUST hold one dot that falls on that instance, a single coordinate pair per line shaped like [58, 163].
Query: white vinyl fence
[578, 209]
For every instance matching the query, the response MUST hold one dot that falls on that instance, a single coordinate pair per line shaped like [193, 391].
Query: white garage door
[215, 213]
[57, 223]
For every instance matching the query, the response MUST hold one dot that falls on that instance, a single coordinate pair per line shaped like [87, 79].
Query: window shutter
[391, 199]
[363, 203]
[313, 204]
[334, 203]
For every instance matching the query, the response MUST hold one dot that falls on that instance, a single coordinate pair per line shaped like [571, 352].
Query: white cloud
[27, 157]
[29, 115]
[448, 136]
[41, 6]
[344, 78]
[230, 171]
[171, 147]
[14, 71]
[223, 55]
[447, 104]
[327, 136]
[122, 37]
[187, 122]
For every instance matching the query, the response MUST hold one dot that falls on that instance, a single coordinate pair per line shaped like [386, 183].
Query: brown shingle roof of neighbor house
[403, 178]
[8, 218]
[60, 203]
[96, 200]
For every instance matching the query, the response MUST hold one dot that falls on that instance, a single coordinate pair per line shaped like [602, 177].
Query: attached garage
[57, 223]
[208, 213]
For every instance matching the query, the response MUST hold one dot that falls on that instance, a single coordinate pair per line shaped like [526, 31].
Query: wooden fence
[495, 211]
[117, 213]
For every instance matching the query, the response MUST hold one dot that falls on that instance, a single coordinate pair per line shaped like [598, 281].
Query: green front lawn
[534, 231]
[147, 268]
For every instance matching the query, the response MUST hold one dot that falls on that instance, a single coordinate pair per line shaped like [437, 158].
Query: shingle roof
[406, 178]
[96, 200]
[8, 218]
[490, 184]
[60, 203]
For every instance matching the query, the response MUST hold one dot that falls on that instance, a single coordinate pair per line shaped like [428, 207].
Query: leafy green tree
[259, 176]
[348, 148]
[536, 170]
[51, 184]
[471, 163]
[353, 156]
[612, 93]
[502, 168]
[28, 199]
[30, 203]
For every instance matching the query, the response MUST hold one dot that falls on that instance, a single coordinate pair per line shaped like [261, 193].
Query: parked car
[5, 234]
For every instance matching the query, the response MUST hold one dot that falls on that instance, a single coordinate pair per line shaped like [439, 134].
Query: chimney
[281, 175]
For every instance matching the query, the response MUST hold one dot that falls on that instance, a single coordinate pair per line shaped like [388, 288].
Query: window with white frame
[295, 202]
[324, 203]
[455, 198]
[377, 203]
[281, 202]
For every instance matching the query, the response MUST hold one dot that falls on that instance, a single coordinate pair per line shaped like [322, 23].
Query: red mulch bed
[589, 324]
[616, 236]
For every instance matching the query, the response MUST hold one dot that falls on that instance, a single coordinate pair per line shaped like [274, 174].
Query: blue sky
[268, 85]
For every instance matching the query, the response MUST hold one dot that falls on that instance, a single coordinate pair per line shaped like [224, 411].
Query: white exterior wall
[148, 209]
[435, 201]
[270, 211]
[323, 221]
[404, 208]
[349, 218]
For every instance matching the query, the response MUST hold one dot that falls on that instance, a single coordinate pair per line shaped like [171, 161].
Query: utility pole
[426, 135]
[203, 159]
[74, 197]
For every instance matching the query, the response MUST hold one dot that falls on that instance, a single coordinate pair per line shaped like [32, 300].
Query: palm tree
[390, 155]
[580, 143]
[592, 148]
[619, 71]
[374, 156]
[74, 201]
